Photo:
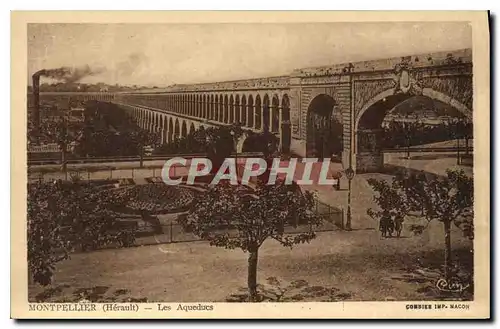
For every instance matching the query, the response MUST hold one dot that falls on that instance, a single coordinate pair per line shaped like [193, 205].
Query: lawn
[358, 263]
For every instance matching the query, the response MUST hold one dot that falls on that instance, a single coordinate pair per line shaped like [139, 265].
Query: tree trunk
[447, 250]
[252, 275]
[467, 146]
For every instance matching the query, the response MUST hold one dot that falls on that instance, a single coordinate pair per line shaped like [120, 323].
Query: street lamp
[349, 172]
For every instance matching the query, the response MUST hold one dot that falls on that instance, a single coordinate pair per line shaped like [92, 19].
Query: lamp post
[349, 172]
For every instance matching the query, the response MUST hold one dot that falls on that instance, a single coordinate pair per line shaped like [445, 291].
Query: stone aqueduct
[300, 108]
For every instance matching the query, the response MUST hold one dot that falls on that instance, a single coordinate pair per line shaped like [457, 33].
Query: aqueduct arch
[321, 130]
[368, 123]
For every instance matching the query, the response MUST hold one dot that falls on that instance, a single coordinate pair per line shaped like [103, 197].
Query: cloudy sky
[164, 54]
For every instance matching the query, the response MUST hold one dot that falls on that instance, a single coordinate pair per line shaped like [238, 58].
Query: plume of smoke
[70, 74]
[133, 62]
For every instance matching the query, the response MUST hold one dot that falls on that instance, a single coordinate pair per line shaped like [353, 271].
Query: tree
[233, 217]
[411, 129]
[65, 133]
[65, 216]
[448, 199]
[141, 138]
[391, 200]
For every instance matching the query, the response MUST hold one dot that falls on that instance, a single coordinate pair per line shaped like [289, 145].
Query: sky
[166, 54]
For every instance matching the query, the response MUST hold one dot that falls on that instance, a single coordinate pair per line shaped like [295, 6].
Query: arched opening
[204, 107]
[237, 110]
[211, 108]
[198, 106]
[231, 109]
[324, 133]
[275, 115]
[243, 110]
[226, 109]
[164, 131]
[258, 113]
[184, 129]
[190, 106]
[192, 129]
[170, 133]
[216, 108]
[221, 108]
[402, 121]
[156, 122]
[286, 129]
[177, 130]
[200, 109]
[250, 114]
[265, 113]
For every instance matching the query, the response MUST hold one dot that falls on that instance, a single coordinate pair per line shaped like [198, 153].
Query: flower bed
[154, 198]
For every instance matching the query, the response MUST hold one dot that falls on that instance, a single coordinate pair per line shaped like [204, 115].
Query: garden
[152, 198]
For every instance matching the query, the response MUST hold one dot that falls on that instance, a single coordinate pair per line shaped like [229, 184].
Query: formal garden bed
[153, 198]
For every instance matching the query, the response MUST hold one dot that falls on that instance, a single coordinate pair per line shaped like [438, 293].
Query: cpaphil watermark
[306, 171]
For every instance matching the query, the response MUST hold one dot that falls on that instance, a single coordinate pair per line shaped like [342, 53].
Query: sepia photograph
[174, 165]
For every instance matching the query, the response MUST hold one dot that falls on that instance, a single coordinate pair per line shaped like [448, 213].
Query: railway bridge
[309, 108]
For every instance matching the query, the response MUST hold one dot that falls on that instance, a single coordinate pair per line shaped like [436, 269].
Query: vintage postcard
[250, 165]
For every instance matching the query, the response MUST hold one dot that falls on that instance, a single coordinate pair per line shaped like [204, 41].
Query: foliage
[257, 216]
[448, 199]
[153, 198]
[232, 217]
[62, 217]
[392, 201]
[203, 140]
[108, 131]
[398, 134]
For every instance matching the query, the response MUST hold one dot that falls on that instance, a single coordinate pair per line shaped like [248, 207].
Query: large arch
[368, 132]
[320, 137]
[192, 128]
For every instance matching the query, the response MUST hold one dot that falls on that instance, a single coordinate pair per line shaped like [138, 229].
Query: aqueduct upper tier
[314, 111]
